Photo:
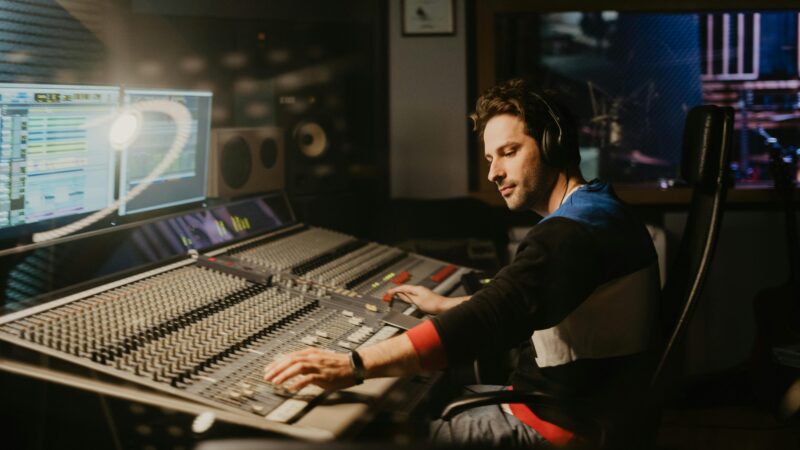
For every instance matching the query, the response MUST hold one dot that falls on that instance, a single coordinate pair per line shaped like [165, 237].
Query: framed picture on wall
[428, 17]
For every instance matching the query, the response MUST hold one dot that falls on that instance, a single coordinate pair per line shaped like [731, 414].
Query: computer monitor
[55, 157]
[185, 181]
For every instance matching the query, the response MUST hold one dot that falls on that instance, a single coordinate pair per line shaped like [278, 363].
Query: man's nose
[496, 172]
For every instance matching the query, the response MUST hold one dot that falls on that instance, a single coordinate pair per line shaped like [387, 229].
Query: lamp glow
[125, 129]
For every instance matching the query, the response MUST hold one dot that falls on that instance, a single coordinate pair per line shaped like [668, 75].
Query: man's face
[515, 164]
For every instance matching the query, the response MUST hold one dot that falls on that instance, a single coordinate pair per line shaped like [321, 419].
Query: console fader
[204, 328]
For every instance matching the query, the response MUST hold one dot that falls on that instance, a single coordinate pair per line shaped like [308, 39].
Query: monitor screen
[55, 159]
[185, 180]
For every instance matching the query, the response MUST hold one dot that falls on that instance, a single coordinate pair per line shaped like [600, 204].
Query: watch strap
[358, 367]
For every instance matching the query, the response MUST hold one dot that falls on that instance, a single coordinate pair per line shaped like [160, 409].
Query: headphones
[559, 148]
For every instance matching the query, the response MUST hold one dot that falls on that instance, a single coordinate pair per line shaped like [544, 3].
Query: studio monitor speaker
[246, 161]
[317, 155]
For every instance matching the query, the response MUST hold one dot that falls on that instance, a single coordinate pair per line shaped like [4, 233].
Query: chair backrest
[707, 143]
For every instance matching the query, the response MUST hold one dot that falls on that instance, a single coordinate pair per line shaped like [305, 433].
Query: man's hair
[518, 98]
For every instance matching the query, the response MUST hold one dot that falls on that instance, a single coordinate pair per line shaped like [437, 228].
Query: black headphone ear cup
[545, 147]
[551, 147]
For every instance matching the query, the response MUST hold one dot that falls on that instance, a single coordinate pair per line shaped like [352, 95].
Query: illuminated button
[445, 272]
[401, 278]
[371, 307]
[347, 313]
[387, 298]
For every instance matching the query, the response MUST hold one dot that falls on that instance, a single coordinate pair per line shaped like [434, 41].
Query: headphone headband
[552, 114]
[558, 149]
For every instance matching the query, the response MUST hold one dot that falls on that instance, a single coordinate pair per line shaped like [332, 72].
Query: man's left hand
[328, 370]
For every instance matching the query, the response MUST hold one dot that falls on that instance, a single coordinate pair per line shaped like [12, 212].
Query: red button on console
[445, 272]
[401, 278]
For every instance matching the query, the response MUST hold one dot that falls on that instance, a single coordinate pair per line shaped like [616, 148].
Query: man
[579, 296]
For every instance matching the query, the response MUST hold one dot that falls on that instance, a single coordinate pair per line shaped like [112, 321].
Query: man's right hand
[424, 299]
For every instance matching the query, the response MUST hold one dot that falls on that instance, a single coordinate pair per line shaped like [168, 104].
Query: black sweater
[579, 298]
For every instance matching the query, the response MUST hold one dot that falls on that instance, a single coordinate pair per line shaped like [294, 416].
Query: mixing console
[205, 328]
[292, 252]
[345, 265]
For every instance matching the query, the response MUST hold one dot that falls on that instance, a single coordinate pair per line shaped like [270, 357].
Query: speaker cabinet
[320, 124]
[246, 161]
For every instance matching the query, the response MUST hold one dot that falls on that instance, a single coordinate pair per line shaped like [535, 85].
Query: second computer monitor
[186, 179]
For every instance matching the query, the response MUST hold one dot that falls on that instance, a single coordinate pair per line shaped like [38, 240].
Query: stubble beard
[534, 195]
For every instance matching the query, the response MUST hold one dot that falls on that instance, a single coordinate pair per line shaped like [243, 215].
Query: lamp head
[125, 129]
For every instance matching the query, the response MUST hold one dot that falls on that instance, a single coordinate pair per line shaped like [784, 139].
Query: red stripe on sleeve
[428, 346]
[554, 434]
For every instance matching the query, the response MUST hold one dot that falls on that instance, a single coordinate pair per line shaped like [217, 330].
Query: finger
[393, 291]
[281, 363]
[278, 365]
[406, 298]
[403, 288]
[302, 381]
[294, 370]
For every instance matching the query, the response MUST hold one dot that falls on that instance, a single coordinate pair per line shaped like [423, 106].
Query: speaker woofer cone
[236, 163]
[311, 139]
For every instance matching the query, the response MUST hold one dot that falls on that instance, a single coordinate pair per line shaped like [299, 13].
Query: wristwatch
[358, 367]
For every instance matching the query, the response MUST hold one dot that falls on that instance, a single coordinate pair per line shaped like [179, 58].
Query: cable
[183, 120]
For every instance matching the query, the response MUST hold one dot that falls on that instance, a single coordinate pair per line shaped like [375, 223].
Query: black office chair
[706, 154]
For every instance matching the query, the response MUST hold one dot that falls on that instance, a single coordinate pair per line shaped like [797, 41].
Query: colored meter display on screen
[55, 159]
